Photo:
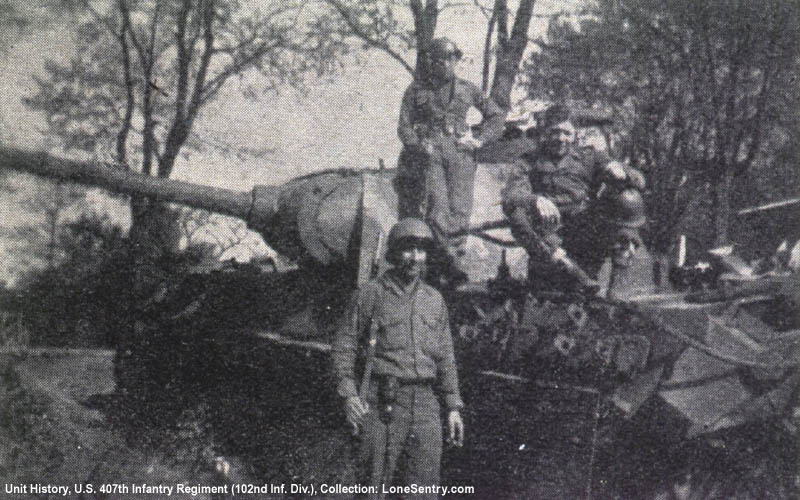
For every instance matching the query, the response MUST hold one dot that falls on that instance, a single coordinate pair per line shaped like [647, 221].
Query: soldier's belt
[403, 382]
[435, 132]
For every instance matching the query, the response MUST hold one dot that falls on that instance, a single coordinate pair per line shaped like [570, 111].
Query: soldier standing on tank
[403, 325]
[436, 168]
[569, 196]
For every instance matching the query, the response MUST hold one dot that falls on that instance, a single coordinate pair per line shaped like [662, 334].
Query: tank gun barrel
[225, 201]
[314, 217]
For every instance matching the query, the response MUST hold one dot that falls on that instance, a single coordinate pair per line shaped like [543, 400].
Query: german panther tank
[719, 358]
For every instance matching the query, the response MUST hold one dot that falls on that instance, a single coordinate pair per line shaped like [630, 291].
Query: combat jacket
[413, 337]
[569, 183]
[428, 113]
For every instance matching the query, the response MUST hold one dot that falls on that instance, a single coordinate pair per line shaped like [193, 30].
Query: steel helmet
[408, 230]
[628, 209]
[443, 48]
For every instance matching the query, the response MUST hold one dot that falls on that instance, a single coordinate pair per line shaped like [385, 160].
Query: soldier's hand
[615, 171]
[355, 409]
[618, 174]
[427, 146]
[636, 179]
[455, 428]
[470, 142]
[548, 211]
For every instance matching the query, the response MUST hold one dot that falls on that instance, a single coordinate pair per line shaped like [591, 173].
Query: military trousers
[438, 188]
[582, 236]
[410, 440]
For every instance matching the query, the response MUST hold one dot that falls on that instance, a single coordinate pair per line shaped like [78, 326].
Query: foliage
[697, 87]
[143, 70]
[91, 296]
[30, 432]
[402, 27]
[376, 25]
[36, 242]
[148, 67]
[76, 302]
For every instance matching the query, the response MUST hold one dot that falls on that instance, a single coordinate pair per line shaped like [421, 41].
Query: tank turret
[311, 218]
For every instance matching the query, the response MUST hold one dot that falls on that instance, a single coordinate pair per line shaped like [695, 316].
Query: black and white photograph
[400, 249]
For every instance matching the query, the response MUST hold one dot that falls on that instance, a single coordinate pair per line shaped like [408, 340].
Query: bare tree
[382, 26]
[510, 47]
[144, 70]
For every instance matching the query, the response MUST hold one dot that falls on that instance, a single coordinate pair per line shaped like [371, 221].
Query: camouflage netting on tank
[561, 337]
[717, 364]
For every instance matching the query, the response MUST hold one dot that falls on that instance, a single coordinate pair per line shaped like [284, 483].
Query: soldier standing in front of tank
[436, 168]
[403, 325]
[556, 192]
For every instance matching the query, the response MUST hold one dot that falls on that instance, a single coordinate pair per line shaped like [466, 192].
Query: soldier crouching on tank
[569, 197]
[402, 324]
[436, 168]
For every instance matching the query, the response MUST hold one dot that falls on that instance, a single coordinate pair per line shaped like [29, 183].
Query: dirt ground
[60, 423]
[49, 434]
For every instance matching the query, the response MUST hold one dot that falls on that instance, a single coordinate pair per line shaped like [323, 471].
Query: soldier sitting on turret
[556, 195]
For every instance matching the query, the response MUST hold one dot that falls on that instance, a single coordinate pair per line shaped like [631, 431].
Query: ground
[61, 423]
[49, 435]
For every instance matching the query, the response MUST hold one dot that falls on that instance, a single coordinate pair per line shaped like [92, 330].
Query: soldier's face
[559, 137]
[445, 69]
[412, 261]
[626, 244]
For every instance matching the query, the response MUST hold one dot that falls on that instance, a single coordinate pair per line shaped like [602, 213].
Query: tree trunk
[154, 229]
[510, 49]
[425, 18]
[505, 72]
[52, 235]
[139, 234]
[722, 209]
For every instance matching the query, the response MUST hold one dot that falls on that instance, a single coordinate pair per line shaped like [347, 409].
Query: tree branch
[424, 28]
[213, 85]
[126, 16]
[727, 145]
[154, 31]
[487, 13]
[196, 24]
[183, 62]
[349, 18]
[431, 16]
[501, 7]
[519, 32]
[182, 123]
[205, 60]
[130, 103]
[147, 59]
[418, 13]
[487, 51]
[509, 51]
